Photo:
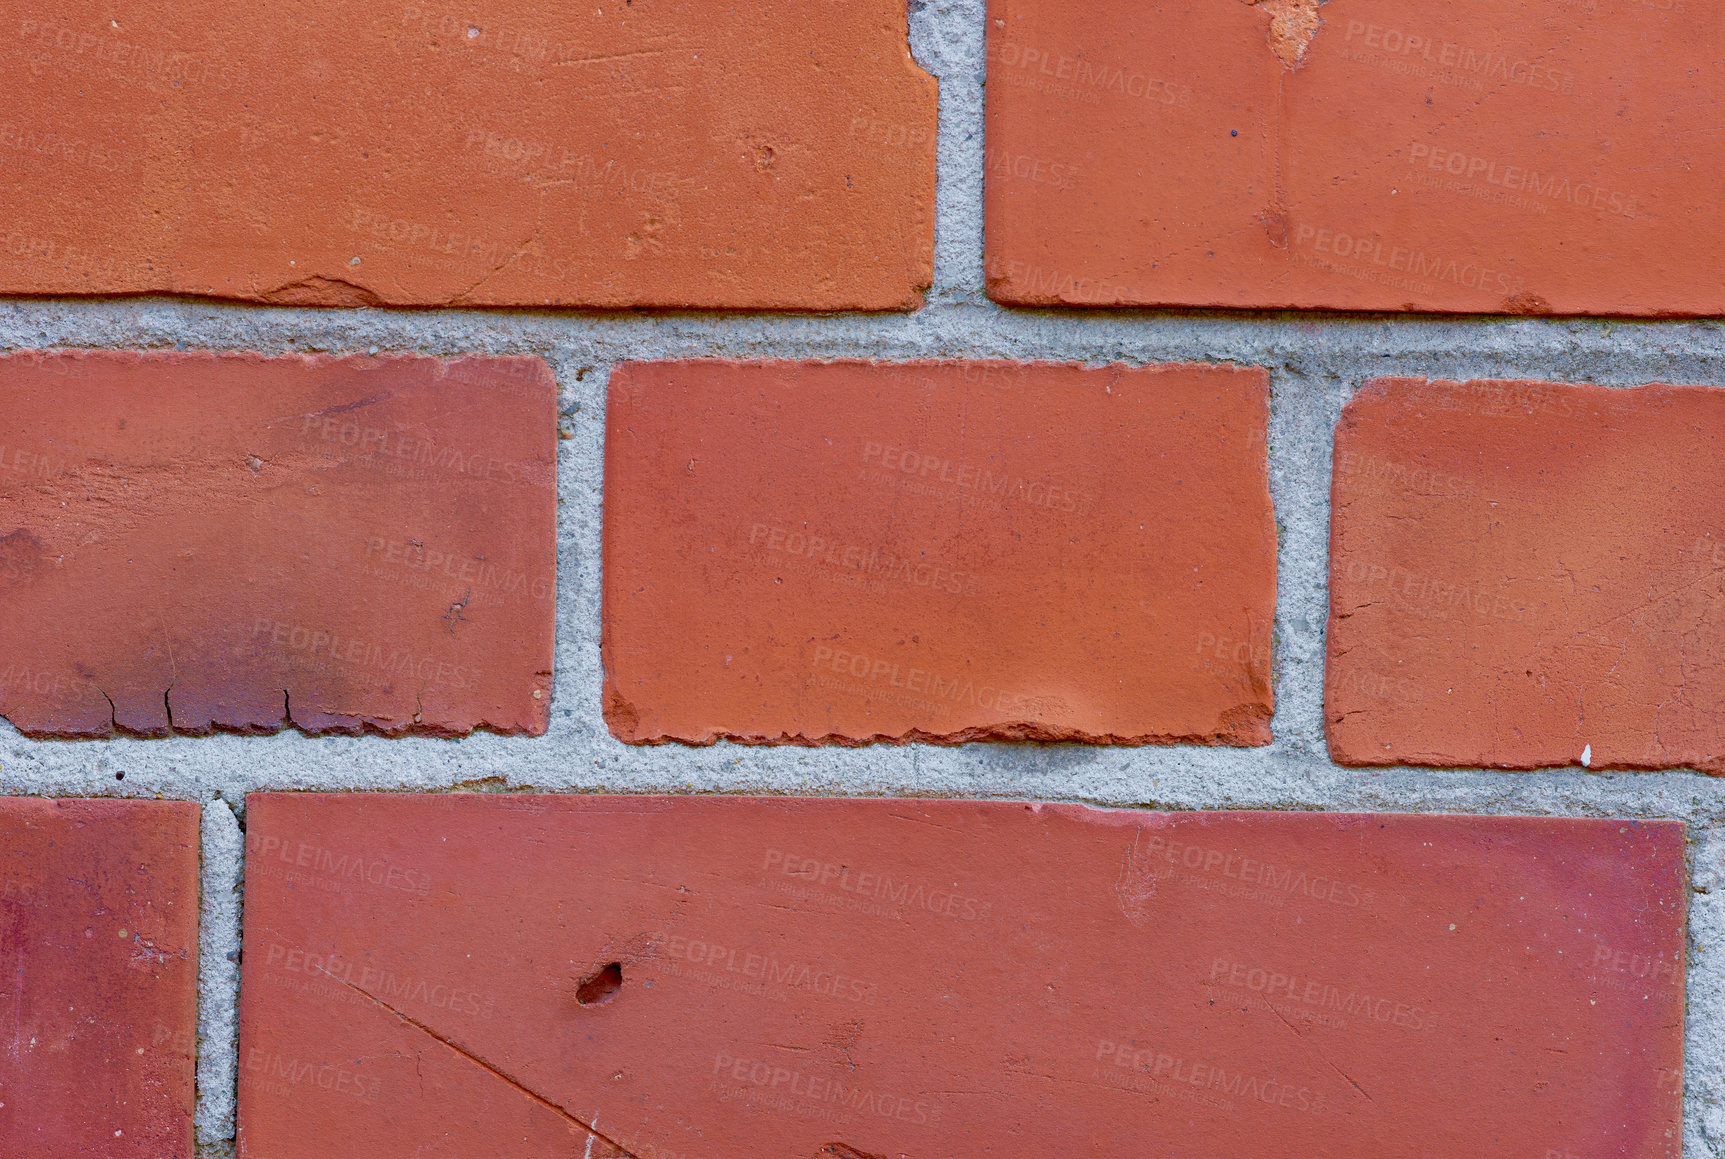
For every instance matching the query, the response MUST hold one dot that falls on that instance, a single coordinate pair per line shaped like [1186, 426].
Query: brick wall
[1613, 489]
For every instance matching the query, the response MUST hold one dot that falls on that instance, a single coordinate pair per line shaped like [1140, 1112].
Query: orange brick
[731, 978]
[1524, 574]
[947, 551]
[1488, 156]
[99, 990]
[191, 542]
[434, 152]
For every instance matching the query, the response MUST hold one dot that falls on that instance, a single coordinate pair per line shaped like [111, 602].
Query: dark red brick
[1524, 574]
[729, 978]
[844, 551]
[98, 978]
[1490, 156]
[495, 153]
[191, 542]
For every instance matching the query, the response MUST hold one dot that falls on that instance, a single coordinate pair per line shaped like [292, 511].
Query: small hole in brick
[600, 987]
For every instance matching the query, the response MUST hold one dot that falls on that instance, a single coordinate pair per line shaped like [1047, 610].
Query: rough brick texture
[508, 153]
[192, 542]
[1526, 574]
[731, 978]
[944, 551]
[1489, 156]
[98, 990]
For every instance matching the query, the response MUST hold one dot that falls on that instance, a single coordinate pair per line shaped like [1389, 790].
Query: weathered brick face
[490, 154]
[451, 451]
[191, 543]
[99, 935]
[845, 552]
[1489, 157]
[1523, 575]
[1208, 978]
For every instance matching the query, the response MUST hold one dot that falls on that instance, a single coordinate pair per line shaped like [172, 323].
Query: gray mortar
[1316, 363]
[218, 978]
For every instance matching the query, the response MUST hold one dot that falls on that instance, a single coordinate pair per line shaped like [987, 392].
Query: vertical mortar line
[1299, 495]
[580, 541]
[1704, 991]
[946, 38]
[221, 876]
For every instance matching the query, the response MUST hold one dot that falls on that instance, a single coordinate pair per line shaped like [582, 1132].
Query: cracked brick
[198, 542]
[847, 979]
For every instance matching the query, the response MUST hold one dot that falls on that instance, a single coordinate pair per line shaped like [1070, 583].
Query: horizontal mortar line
[1315, 361]
[1614, 368]
[1507, 328]
[1503, 799]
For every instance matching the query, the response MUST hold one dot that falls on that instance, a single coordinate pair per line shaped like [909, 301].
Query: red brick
[191, 542]
[1522, 574]
[804, 978]
[946, 551]
[1488, 156]
[501, 153]
[98, 994]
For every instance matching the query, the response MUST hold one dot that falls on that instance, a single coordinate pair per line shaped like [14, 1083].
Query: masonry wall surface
[1316, 363]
